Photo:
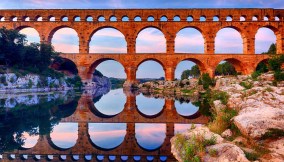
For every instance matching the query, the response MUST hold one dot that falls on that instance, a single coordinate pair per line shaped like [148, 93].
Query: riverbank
[247, 119]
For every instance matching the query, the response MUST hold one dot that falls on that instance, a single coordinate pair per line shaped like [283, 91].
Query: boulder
[224, 152]
[254, 122]
[227, 133]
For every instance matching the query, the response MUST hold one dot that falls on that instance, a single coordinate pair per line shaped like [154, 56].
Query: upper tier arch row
[74, 15]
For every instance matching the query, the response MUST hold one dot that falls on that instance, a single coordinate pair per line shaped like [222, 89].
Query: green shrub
[220, 95]
[246, 85]
[255, 74]
[273, 133]
[206, 81]
[279, 76]
[192, 149]
[251, 156]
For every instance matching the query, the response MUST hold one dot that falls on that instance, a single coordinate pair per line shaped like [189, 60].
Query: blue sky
[111, 41]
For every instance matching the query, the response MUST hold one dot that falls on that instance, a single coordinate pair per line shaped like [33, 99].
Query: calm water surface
[100, 126]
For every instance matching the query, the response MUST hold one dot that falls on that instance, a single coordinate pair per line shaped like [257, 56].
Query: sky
[109, 40]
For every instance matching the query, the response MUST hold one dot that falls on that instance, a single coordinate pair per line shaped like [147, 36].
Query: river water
[98, 125]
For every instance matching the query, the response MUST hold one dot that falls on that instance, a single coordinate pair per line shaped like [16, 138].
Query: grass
[246, 85]
[222, 120]
[192, 150]
[252, 156]
[220, 95]
[272, 133]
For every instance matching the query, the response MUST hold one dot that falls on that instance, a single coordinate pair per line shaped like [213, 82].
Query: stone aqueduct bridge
[47, 22]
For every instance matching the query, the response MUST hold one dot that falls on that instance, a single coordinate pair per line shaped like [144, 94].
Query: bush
[255, 74]
[191, 150]
[220, 95]
[206, 81]
[246, 85]
[273, 133]
[279, 76]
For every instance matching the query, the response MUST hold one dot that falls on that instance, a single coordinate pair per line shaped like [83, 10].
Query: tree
[185, 74]
[225, 68]
[193, 72]
[271, 50]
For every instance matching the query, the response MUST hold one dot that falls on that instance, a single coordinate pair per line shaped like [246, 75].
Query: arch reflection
[29, 140]
[107, 136]
[150, 137]
[64, 135]
[111, 103]
[149, 106]
[186, 109]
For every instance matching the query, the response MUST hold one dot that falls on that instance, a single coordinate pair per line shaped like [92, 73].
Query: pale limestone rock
[227, 133]
[198, 131]
[225, 152]
[254, 122]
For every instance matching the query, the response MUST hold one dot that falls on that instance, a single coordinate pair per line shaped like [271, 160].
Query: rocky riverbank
[247, 125]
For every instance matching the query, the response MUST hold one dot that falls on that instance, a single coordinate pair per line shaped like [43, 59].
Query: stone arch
[109, 27]
[238, 65]
[101, 18]
[277, 35]
[76, 18]
[164, 46]
[94, 65]
[202, 67]
[112, 18]
[189, 27]
[235, 29]
[74, 47]
[26, 18]
[145, 109]
[262, 61]
[125, 18]
[51, 18]
[54, 30]
[64, 18]
[19, 28]
[164, 18]
[89, 18]
[151, 59]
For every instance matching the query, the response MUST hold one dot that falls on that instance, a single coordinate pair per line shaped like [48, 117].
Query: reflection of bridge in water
[130, 149]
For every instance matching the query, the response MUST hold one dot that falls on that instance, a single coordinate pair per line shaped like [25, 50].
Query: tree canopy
[193, 72]
[16, 52]
[225, 68]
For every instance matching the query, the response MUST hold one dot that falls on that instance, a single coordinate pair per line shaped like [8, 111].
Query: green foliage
[246, 85]
[275, 62]
[271, 50]
[193, 72]
[30, 84]
[251, 156]
[3, 79]
[75, 81]
[279, 76]
[273, 133]
[219, 95]
[98, 73]
[206, 81]
[255, 74]
[192, 149]
[225, 68]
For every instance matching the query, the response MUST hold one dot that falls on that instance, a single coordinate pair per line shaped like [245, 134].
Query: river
[100, 125]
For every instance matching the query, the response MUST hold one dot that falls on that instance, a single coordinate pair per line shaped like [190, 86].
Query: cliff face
[101, 81]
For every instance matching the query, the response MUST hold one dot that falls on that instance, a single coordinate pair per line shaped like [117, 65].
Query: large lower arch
[151, 68]
[189, 40]
[111, 69]
[64, 39]
[107, 40]
[150, 40]
[265, 39]
[189, 63]
[229, 40]
[237, 64]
